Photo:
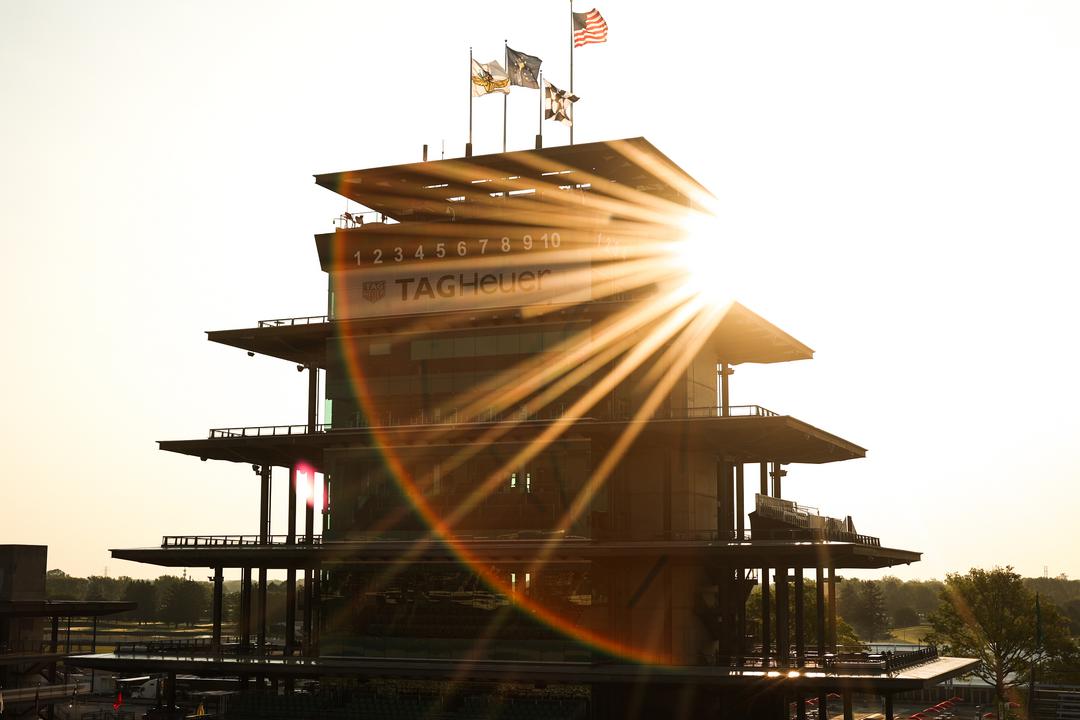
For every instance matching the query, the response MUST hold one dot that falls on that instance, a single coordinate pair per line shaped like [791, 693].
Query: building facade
[530, 467]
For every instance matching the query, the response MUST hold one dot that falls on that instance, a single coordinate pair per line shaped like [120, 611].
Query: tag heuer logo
[374, 290]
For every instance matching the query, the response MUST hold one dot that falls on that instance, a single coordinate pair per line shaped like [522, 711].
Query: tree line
[167, 599]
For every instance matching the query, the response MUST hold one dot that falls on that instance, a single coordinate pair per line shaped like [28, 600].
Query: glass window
[464, 346]
[421, 349]
[486, 345]
[507, 344]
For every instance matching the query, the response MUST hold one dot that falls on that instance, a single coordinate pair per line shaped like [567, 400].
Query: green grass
[913, 634]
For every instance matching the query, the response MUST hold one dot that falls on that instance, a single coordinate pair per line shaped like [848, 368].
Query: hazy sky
[899, 184]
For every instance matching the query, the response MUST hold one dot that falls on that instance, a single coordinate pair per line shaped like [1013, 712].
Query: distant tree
[185, 601]
[61, 586]
[143, 593]
[905, 616]
[990, 615]
[1072, 612]
[862, 602]
[99, 587]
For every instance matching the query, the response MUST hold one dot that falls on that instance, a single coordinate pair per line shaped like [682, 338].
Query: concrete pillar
[260, 615]
[290, 576]
[740, 500]
[888, 707]
[309, 575]
[800, 706]
[849, 711]
[800, 623]
[170, 697]
[832, 608]
[725, 396]
[764, 479]
[783, 624]
[216, 606]
[766, 619]
[245, 610]
[819, 621]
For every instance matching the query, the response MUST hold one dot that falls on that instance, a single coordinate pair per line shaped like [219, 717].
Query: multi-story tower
[530, 465]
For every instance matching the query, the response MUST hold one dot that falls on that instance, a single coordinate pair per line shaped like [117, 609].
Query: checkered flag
[558, 104]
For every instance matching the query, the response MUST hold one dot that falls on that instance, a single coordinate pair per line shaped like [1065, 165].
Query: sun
[701, 260]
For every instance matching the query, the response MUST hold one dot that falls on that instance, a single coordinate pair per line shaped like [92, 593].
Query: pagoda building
[530, 469]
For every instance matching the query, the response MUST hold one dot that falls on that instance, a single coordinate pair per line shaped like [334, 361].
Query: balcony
[390, 419]
[204, 541]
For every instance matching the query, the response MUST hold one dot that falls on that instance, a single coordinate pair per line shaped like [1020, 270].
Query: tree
[990, 615]
[862, 602]
[845, 635]
[186, 602]
[905, 616]
[142, 593]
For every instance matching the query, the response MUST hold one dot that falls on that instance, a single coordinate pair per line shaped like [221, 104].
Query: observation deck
[741, 336]
[748, 434]
[749, 548]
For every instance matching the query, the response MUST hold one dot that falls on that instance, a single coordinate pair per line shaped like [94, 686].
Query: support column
[170, 696]
[290, 575]
[313, 398]
[725, 500]
[740, 500]
[783, 620]
[245, 610]
[309, 575]
[800, 619]
[219, 585]
[819, 578]
[849, 711]
[832, 608]
[800, 706]
[93, 635]
[764, 469]
[778, 473]
[725, 397]
[888, 706]
[766, 619]
[260, 614]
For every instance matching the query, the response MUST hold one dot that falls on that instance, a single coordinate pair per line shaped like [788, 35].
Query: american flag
[589, 27]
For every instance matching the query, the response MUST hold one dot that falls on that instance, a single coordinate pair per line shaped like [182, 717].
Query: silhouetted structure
[508, 356]
[28, 665]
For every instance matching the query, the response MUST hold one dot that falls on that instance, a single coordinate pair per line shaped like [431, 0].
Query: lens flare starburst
[653, 264]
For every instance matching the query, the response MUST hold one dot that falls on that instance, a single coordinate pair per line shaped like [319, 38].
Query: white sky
[898, 181]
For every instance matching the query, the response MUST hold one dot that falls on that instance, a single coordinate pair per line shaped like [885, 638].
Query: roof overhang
[915, 678]
[777, 438]
[378, 552]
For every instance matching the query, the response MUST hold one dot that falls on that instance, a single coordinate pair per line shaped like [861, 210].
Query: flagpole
[506, 62]
[468, 148]
[571, 70]
[540, 123]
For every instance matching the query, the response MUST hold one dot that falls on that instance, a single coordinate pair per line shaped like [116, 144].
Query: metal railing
[285, 322]
[349, 221]
[264, 431]
[389, 418]
[811, 535]
[201, 541]
[853, 660]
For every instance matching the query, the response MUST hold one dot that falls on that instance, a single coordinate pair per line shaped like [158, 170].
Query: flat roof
[912, 678]
[63, 608]
[423, 190]
[778, 438]
[348, 552]
[741, 336]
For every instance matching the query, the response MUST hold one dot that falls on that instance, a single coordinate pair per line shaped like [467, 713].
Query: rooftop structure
[531, 468]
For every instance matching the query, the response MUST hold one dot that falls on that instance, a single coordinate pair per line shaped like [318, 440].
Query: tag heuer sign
[373, 290]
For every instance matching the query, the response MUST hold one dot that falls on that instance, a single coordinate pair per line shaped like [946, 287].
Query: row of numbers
[461, 248]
